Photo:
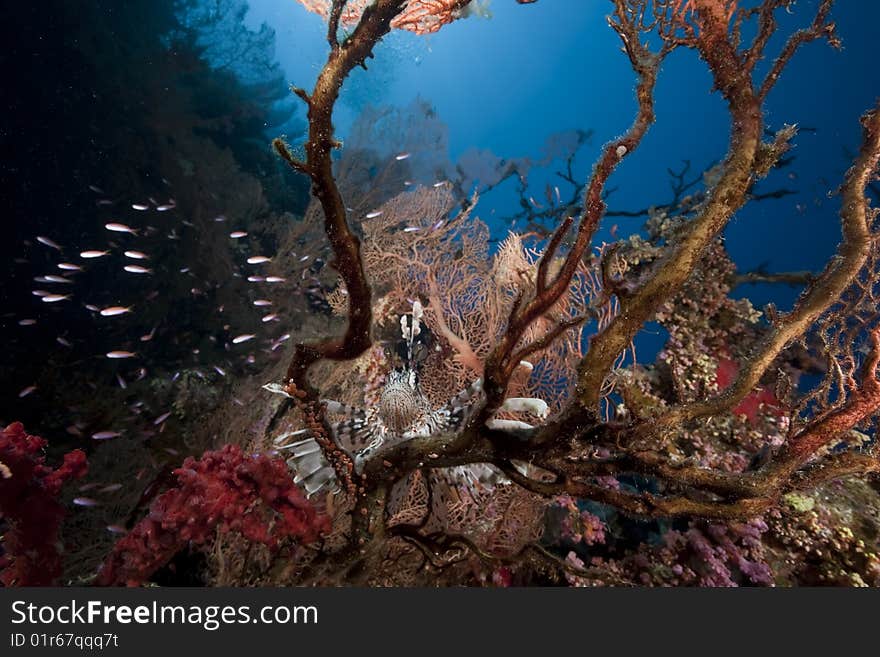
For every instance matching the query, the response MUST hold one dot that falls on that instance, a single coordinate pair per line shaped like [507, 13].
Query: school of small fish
[126, 243]
[131, 239]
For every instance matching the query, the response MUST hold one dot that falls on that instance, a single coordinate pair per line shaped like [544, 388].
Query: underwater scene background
[556, 292]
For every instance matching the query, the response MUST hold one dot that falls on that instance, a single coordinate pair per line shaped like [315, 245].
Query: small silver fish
[112, 311]
[93, 254]
[105, 435]
[68, 266]
[26, 391]
[136, 255]
[401, 156]
[275, 279]
[52, 278]
[52, 298]
[257, 260]
[120, 228]
[262, 302]
[120, 354]
[219, 370]
[374, 214]
[238, 339]
[270, 318]
[165, 207]
[47, 242]
[137, 269]
[238, 234]
[85, 501]
[256, 279]
[159, 420]
[27, 322]
[63, 342]
[140, 206]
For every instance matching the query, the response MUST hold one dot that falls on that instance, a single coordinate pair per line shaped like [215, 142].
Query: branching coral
[29, 503]
[716, 431]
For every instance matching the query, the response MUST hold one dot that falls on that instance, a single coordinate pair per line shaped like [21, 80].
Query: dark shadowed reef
[119, 97]
[108, 105]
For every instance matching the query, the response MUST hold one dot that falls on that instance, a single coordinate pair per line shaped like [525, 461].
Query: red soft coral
[760, 400]
[226, 489]
[29, 504]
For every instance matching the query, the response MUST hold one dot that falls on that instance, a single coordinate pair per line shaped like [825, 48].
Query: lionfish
[402, 413]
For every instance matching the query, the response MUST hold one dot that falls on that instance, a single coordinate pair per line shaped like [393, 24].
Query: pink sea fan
[419, 16]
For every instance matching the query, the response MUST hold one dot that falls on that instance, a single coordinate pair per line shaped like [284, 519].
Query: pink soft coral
[29, 504]
[226, 489]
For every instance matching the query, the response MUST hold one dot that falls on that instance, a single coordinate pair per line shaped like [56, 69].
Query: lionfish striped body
[402, 413]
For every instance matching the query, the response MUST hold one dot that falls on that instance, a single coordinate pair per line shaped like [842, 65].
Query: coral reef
[715, 434]
[744, 454]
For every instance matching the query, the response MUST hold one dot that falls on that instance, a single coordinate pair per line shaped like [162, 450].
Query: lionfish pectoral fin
[306, 460]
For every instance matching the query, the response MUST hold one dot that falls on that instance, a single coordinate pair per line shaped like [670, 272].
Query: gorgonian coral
[419, 16]
[30, 508]
[717, 430]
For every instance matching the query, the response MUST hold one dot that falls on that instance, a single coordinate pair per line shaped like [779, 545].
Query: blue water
[506, 83]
